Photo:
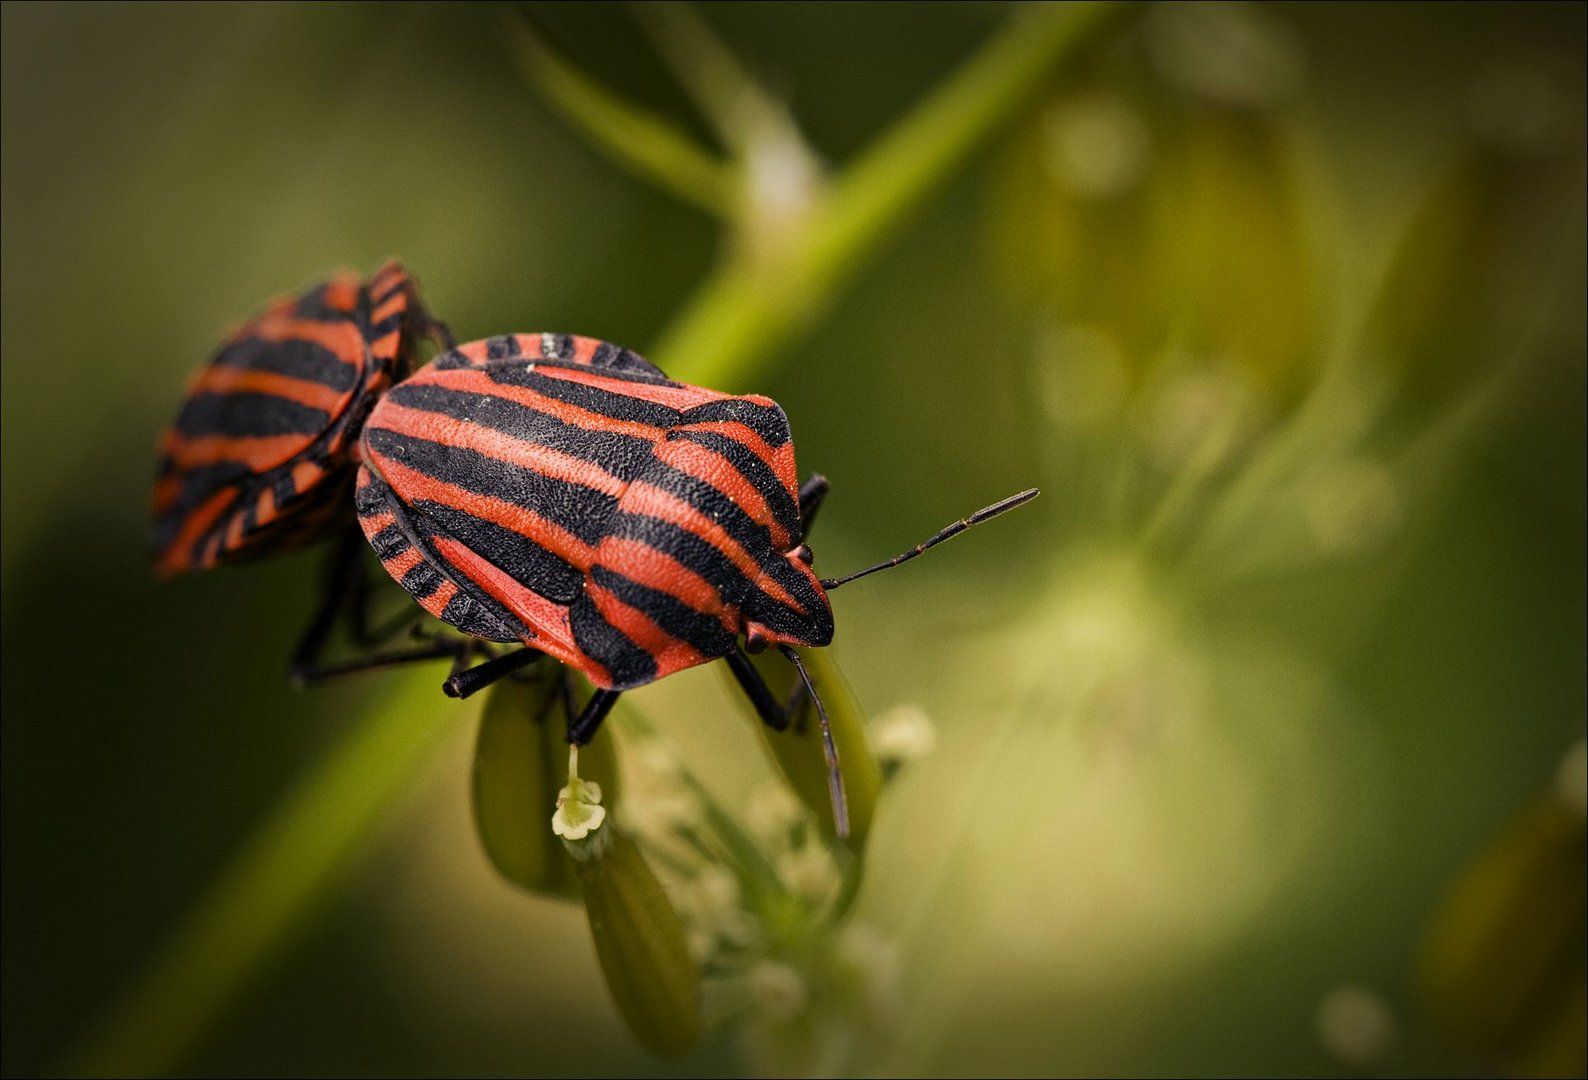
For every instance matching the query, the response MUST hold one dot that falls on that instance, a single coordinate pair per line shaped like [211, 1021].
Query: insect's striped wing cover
[521, 488]
[260, 456]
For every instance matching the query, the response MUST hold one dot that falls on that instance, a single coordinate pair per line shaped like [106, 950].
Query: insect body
[563, 493]
[261, 457]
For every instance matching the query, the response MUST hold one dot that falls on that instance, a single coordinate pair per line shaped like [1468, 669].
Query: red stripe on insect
[305, 474]
[166, 492]
[780, 460]
[500, 446]
[386, 308]
[374, 523]
[480, 382]
[402, 562]
[210, 554]
[265, 504]
[223, 379]
[669, 652]
[652, 501]
[707, 465]
[584, 349]
[234, 532]
[658, 570]
[416, 485]
[387, 344]
[677, 396]
[388, 283]
[177, 556]
[478, 352]
[341, 292]
[259, 452]
[389, 275]
[437, 601]
[340, 338]
[552, 633]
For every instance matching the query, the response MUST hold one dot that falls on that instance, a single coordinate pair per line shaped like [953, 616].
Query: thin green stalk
[287, 869]
[707, 69]
[637, 139]
[745, 309]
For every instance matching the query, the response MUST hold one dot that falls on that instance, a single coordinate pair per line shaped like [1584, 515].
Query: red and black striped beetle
[261, 456]
[562, 493]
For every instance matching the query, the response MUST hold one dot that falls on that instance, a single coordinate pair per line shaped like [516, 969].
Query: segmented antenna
[953, 530]
[835, 779]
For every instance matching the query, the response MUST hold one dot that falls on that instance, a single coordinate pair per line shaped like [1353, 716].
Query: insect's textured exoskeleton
[562, 492]
[261, 456]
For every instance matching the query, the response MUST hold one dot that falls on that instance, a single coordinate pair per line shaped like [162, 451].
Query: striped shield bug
[561, 493]
[261, 458]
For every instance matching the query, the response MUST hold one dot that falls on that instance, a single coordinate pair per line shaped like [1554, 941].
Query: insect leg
[346, 592]
[777, 717]
[583, 729]
[478, 677]
[812, 492]
[772, 712]
[439, 332]
[358, 608]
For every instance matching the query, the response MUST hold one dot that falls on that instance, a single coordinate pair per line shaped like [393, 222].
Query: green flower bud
[519, 768]
[642, 946]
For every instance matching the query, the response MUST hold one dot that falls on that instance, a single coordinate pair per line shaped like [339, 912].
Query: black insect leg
[777, 717]
[345, 592]
[439, 332]
[773, 713]
[812, 492]
[583, 729]
[477, 678]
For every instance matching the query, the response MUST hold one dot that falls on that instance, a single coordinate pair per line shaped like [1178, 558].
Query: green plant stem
[707, 69]
[748, 307]
[289, 867]
[301, 851]
[637, 139]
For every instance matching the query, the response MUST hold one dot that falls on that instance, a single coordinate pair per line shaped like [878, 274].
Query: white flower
[713, 893]
[777, 989]
[808, 872]
[904, 733]
[773, 814]
[579, 812]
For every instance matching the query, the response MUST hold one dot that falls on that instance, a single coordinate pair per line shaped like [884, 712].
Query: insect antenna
[953, 530]
[835, 779]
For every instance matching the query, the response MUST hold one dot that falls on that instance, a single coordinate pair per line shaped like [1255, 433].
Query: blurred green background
[1255, 732]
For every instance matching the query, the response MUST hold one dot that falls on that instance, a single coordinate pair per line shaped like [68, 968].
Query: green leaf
[798, 750]
[640, 941]
[520, 764]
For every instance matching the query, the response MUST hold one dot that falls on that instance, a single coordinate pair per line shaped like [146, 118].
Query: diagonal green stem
[637, 139]
[745, 308]
[293, 864]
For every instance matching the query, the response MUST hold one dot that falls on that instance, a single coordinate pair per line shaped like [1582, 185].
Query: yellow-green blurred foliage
[1240, 728]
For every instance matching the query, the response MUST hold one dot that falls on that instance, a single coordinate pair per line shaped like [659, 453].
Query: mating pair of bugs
[553, 492]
